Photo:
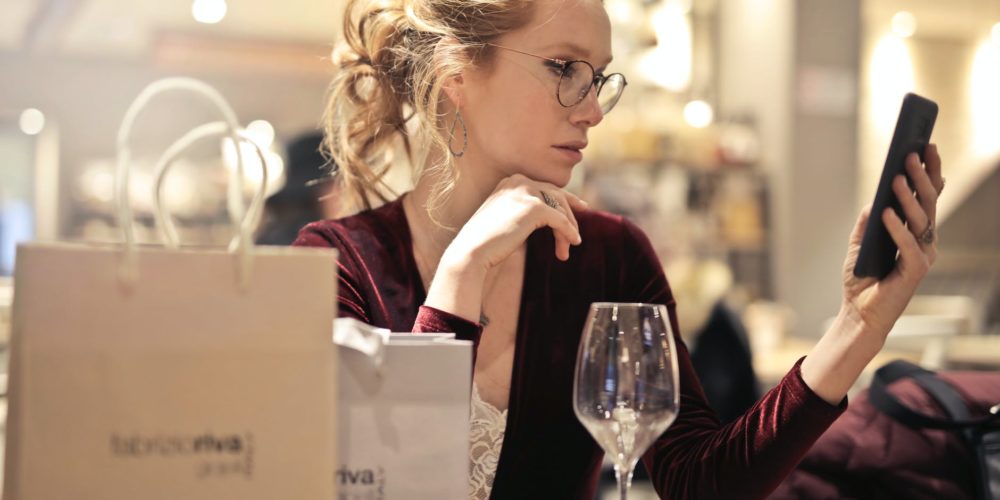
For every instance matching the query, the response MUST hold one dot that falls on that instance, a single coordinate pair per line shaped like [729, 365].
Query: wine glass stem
[624, 480]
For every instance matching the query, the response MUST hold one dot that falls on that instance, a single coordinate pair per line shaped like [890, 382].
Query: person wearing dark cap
[304, 197]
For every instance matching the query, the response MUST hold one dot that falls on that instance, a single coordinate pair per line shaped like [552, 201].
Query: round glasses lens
[610, 92]
[575, 83]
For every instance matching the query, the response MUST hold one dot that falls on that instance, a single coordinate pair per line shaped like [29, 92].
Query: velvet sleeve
[430, 320]
[350, 303]
[366, 295]
[699, 458]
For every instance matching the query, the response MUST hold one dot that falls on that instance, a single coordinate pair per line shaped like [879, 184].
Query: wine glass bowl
[626, 388]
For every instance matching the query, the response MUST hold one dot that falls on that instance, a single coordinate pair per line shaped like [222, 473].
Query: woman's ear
[449, 53]
[453, 88]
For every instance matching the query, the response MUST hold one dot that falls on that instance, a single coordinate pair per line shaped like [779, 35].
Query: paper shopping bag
[172, 373]
[403, 428]
[184, 385]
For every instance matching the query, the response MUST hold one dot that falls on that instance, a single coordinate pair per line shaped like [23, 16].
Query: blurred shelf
[720, 213]
[974, 352]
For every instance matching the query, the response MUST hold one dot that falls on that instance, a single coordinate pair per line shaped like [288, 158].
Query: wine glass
[626, 390]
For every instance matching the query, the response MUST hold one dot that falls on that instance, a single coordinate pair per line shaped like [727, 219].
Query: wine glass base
[641, 490]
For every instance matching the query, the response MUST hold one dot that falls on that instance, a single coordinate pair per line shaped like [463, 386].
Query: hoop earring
[465, 135]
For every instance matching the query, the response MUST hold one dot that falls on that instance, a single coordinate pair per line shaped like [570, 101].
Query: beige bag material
[403, 425]
[168, 373]
[186, 387]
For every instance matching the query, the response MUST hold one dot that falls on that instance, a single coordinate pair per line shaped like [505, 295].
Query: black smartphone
[877, 256]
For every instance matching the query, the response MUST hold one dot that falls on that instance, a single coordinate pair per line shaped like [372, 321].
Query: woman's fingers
[562, 247]
[565, 234]
[560, 219]
[916, 216]
[933, 161]
[859, 227]
[924, 186]
[563, 225]
[551, 206]
[558, 205]
[913, 263]
[565, 200]
[575, 201]
[557, 200]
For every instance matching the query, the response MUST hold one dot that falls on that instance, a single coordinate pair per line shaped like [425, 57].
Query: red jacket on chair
[867, 455]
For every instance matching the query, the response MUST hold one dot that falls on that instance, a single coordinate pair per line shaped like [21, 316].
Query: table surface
[772, 366]
[982, 351]
[961, 352]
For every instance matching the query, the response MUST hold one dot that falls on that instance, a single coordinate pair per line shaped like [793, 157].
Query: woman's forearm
[457, 287]
[838, 359]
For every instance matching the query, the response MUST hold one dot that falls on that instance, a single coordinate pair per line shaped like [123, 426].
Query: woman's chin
[555, 173]
[557, 182]
[557, 176]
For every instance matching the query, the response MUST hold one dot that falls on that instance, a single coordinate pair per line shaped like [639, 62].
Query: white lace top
[485, 438]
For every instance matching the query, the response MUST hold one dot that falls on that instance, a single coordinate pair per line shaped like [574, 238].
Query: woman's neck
[434, 223]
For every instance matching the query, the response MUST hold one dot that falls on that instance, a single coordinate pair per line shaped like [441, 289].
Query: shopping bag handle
[165, 223]
[242, 220]
[242, 241]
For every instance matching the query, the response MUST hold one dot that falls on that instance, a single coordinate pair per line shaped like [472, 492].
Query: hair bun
[390, 69]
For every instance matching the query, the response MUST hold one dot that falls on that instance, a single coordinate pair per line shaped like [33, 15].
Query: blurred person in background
[494, 100]
[715, 334]
[307, 195]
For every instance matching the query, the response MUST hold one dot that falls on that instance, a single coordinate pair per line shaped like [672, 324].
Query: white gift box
[403, 424]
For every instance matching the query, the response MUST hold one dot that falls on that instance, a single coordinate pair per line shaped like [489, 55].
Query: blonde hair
[391, 67]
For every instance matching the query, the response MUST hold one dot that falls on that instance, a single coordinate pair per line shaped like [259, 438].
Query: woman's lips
[570, 153]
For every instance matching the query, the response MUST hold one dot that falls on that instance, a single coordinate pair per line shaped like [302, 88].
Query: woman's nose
[588, 111]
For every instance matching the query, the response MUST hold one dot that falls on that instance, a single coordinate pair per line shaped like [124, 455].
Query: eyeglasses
[576, 79]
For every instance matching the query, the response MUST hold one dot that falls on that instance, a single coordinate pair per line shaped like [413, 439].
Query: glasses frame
[598, 81]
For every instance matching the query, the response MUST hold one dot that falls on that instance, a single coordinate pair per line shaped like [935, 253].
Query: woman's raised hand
[878, 304]
[516, 208]
[870, 307]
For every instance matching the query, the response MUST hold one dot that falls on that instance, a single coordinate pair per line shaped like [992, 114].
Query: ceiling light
[669, 63]
[208, 11]
[984, 101]
[698, 114]
[996, 34]
[890, 77]
[32, 121]
[904, 24]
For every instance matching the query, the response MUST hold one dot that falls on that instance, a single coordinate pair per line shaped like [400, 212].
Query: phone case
[877, 256]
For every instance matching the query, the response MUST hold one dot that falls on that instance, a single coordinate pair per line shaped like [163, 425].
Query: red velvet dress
[546, 452]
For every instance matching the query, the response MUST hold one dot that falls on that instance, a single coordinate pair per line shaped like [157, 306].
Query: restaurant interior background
[750, 135]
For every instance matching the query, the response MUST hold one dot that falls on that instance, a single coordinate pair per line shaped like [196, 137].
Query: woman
[488, 245]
